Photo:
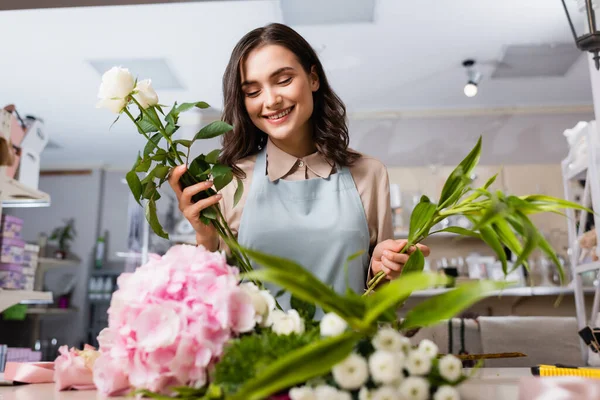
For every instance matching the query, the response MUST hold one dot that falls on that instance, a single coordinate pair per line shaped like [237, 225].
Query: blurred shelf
[51, 311]
[14, 194]
[514, 292]
[578, 172]
[106, 272]
[48, 262]
[9, 298]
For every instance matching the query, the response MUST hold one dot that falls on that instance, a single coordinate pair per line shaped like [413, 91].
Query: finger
[395, 257]
[392, 266]
[393, 275]
[193, 210]
[424, 249]
[174, 177]
[393, 245]
[191, 191]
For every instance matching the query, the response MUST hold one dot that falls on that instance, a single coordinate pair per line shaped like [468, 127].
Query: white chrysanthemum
[332, 325]
[386, 367]
[364, 394]
[302, 393]
[405, 345]
[386, 393]
[351, 373]
[343, 395]
[286, 323]
[418, 363]
[446, 393]
[450, 368]
[388, 339]
[429, 348]
[326, 392]
[414, 388]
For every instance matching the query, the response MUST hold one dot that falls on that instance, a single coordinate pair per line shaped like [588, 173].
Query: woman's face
[279, 94]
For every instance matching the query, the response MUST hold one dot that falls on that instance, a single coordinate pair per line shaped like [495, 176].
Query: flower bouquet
[189, 325]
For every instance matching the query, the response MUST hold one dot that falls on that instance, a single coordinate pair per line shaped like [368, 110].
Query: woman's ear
[314, 79]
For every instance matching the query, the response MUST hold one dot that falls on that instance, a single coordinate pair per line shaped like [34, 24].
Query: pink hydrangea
[169, 321]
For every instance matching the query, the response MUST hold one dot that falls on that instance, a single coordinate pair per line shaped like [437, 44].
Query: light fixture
[474, 77]
[589, 38]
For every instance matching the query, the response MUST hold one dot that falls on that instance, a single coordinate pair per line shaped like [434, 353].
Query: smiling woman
[311, 198]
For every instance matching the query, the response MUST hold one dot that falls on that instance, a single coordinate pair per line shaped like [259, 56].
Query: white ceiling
[407, 61]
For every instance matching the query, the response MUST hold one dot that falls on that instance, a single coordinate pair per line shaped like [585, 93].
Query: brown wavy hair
[330, 130]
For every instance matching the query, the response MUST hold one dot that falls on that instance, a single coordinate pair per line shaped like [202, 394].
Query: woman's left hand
[387, 258]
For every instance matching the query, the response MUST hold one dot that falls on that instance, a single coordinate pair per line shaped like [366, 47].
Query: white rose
[450, 368]
[388, 339]
[414, 388]
[446, 392]
[351, 373]
[364, 394]
[428, 347]
[286, 323]
[302, 393]
[117, 84]
[385, 393]
[386, 367]
[332, 325]
[262, 301]
[418, 363]
[145, 94]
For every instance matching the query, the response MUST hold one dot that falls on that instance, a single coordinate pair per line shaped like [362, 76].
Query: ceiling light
[474, 77]
[587, 38]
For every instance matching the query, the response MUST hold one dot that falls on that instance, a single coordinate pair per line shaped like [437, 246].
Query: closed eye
[252, 94]
[285, 81]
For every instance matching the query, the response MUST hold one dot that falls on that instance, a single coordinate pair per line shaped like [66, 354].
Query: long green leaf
[149, 190]
[531, 240]
[459, 231]
[420, 217]
[238, 192]
[490, 237]
[449, 304]
[549, 251]
[399, 290]
[455, 182]
[507, 236]
[145, 124]
[184, 142]
[554, 201]
[152, 219]
[213, 129]
[307, 362]
[152, 144]
[415, 263]
[490, 182]
[133, 181]
[144, 165]
[183, 107]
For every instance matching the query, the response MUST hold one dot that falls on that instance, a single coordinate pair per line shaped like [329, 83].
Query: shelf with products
[14, 194]
[9, 298]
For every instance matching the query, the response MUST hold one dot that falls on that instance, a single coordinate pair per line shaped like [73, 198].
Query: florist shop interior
[478, 177]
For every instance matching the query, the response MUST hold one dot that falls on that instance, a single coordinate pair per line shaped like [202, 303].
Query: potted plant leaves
[64, 235]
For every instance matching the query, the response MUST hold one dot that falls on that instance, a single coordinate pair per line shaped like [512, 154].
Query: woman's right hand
[206, 235]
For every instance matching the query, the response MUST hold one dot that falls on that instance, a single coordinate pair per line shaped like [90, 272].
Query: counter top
[488, 383]
[515, 291]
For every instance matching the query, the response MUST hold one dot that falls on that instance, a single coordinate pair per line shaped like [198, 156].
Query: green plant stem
[135, 123]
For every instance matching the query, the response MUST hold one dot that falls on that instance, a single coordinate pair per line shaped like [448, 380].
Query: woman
[307, 197]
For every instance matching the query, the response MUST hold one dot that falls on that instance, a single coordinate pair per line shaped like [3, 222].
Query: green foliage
[64, 234]
[248, 356]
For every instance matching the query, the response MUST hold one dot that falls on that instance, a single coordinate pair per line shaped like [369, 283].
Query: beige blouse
[369, 174]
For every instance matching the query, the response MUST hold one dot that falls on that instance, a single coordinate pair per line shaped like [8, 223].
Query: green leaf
[138, 160]
[161, 171]
[553, 202]
[220, 170]
[301, 283]
[210, 213]
[184, 142]
[145, 124]
[305, 309]
[399, 290]
[149, 190]
[173, 115]
[415, 263]
[134, 185]
[490, 182]
[307, 362]
[449, 304]
[187, 106]
[152, 144]
[490, 237]
[531, 240]
[507, 236]
[152, 218]
[160, 155]
[420, 219]
[144, 165]
[238, 191]
[223, 180]
[213, 156]
[171, 128]
[549, 251]
[459, 231]
[455, 182]
[213, 129]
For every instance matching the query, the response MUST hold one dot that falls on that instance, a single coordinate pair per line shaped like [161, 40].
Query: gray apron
[318, 223]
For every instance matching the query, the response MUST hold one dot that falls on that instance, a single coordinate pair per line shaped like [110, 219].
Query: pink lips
[281, 120]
